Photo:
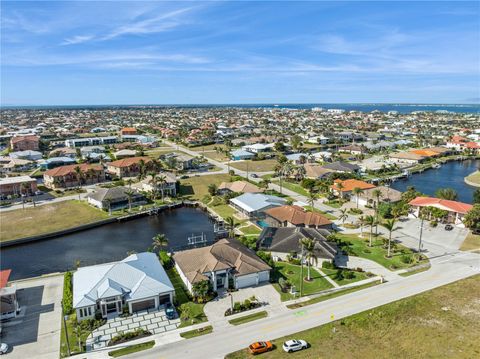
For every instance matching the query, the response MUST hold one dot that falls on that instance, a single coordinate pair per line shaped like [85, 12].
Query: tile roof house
[455, 210]
[286, 240]
[128, 167]
[295, 216]
[226, 259]
[317, 171]
[66, 176]
[167, 188]
[348, 185]
[137, 282]
[25, 143]
[406, 157]
[13, 185]
[252, 205]
[387, 195]
[238, 187]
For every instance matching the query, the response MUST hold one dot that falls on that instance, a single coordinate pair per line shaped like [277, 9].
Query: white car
[294, 345]
[3, 348]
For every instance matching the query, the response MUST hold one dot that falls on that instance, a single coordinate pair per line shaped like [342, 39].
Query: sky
[233, 52]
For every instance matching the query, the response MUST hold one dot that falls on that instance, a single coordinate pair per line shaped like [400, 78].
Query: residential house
[344, 188]
[353, 149]
[387, 194]
[128, 131]
[9, 164]
[124, 154]
[455, 210]
[91, 141]
[284, 241]
[168, 187]
[253, 205]
[129, 167]
[9, 307]
[317, 171]
[26, 155]
[54, 162]
[238, 187]
[219, 263]
[406, 158]
[295, 216]
[300, 158]
[342, 167]
[115, 198]
[185, 162]
[25, 143]
[136, 283]
[239, 155]
[17, 186]
[67, 176]
[258, 148]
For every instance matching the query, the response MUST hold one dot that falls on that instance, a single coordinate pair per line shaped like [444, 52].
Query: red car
[260, 347]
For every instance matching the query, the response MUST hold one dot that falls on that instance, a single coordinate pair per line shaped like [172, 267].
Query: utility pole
[301, 274]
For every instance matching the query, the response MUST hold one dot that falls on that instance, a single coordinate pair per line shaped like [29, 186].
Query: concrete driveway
[215, 309]
[35, 333]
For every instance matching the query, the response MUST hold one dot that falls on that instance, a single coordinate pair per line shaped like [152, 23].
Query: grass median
[249, 318]
[197, 332]
[132, 349]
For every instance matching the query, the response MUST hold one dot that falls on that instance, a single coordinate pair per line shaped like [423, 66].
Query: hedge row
[67, 293]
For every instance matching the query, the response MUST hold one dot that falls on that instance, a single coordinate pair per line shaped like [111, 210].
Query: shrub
[349, 275]
[358, 269]
[237, 306]
[355, 211]
[165, 259]
[328, 265]
[406, 259]
[266, 257]
[433, 224]
[67, 300]
[339, 275]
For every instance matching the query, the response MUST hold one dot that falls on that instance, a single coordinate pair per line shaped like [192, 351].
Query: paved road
[444, 270]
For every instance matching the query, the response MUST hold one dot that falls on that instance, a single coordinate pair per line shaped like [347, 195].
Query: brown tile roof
[127, 162]
[240, 186]
[316, 171]
[65, 170]
[32, 138]
[350, 184]
[224, 254]
[297, 216]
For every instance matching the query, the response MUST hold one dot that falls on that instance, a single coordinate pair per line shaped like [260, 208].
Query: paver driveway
[155, 321]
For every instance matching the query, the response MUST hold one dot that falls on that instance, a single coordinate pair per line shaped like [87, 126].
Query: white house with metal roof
[252, 205]
[137, 282]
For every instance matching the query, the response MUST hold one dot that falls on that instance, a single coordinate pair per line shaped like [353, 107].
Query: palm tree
[308, 245]
[389, 224]
[231, 225]
[78, 174]
[129, 181]
[23, 192]
[264, 183]
[447, 193]
[312, 196]
[108, 202]
[129, 193]
[141, 168]
[339, 186]
[356, 191]
[361, 221]
[370, 221]
[377, 194]
[162, 180]
[343, 215]
[159, 241]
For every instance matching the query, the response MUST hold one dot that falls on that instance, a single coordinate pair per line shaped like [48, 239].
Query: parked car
[170, 311]
[38, 193]
[254, 175]
[260, 347]
[448, 227]
[3, 348]
[294, 345]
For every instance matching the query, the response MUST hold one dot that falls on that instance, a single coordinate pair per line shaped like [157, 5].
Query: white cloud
[78, 39]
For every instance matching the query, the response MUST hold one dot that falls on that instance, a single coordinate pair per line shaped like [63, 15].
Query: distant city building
[25, 143]
[91, 141]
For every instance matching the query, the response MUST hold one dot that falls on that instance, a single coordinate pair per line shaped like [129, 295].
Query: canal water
[107, 243]
[450, 175]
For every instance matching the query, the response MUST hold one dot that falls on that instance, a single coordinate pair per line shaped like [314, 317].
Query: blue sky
[118, 52]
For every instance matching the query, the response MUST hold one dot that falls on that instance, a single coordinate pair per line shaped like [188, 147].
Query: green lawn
[255, 166]
[47, 218]
[472, 242]
[474, 178]
[292, 187]
[251, 230]
[248, 318]
[291, 273]
[196, 312]
[196, 187]
[181, 292]
[328, 215]
[332, 273]
[377, 253]
[441, 323]
[332, 295]
[132, 349]
[215, 156]
[334, 203]
[197, 332]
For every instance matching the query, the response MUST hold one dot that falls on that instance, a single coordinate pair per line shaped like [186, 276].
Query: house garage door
[146, 304]
[164, 299]
[247, 280]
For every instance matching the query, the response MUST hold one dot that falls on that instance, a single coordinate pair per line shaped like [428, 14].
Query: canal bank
[450, 174]
[473, 179]
[106, 243]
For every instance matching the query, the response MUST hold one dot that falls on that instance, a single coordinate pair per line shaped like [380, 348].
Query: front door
[111, 307]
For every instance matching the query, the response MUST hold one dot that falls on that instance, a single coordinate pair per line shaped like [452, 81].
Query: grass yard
[197, 332]
[255, 166]
[181, 293]
[197, 315]
[472, 242]
[331, 295]
[402, 257]
[332, 274]
[132, 349]
[251, 230]
[249, 318]
[68, 192]
[215, 156]
[47, 218]
[292, 187]
[328, 215]
[291, 273]
[440, 323]
[210, 147]
[196, 187]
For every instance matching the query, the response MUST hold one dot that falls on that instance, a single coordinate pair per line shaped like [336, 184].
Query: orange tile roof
[65, 170]
[350, 184]
[4, 275]
[297, 215]
[452, 206]
[126, 162]
[425, 153]
[472, 145]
